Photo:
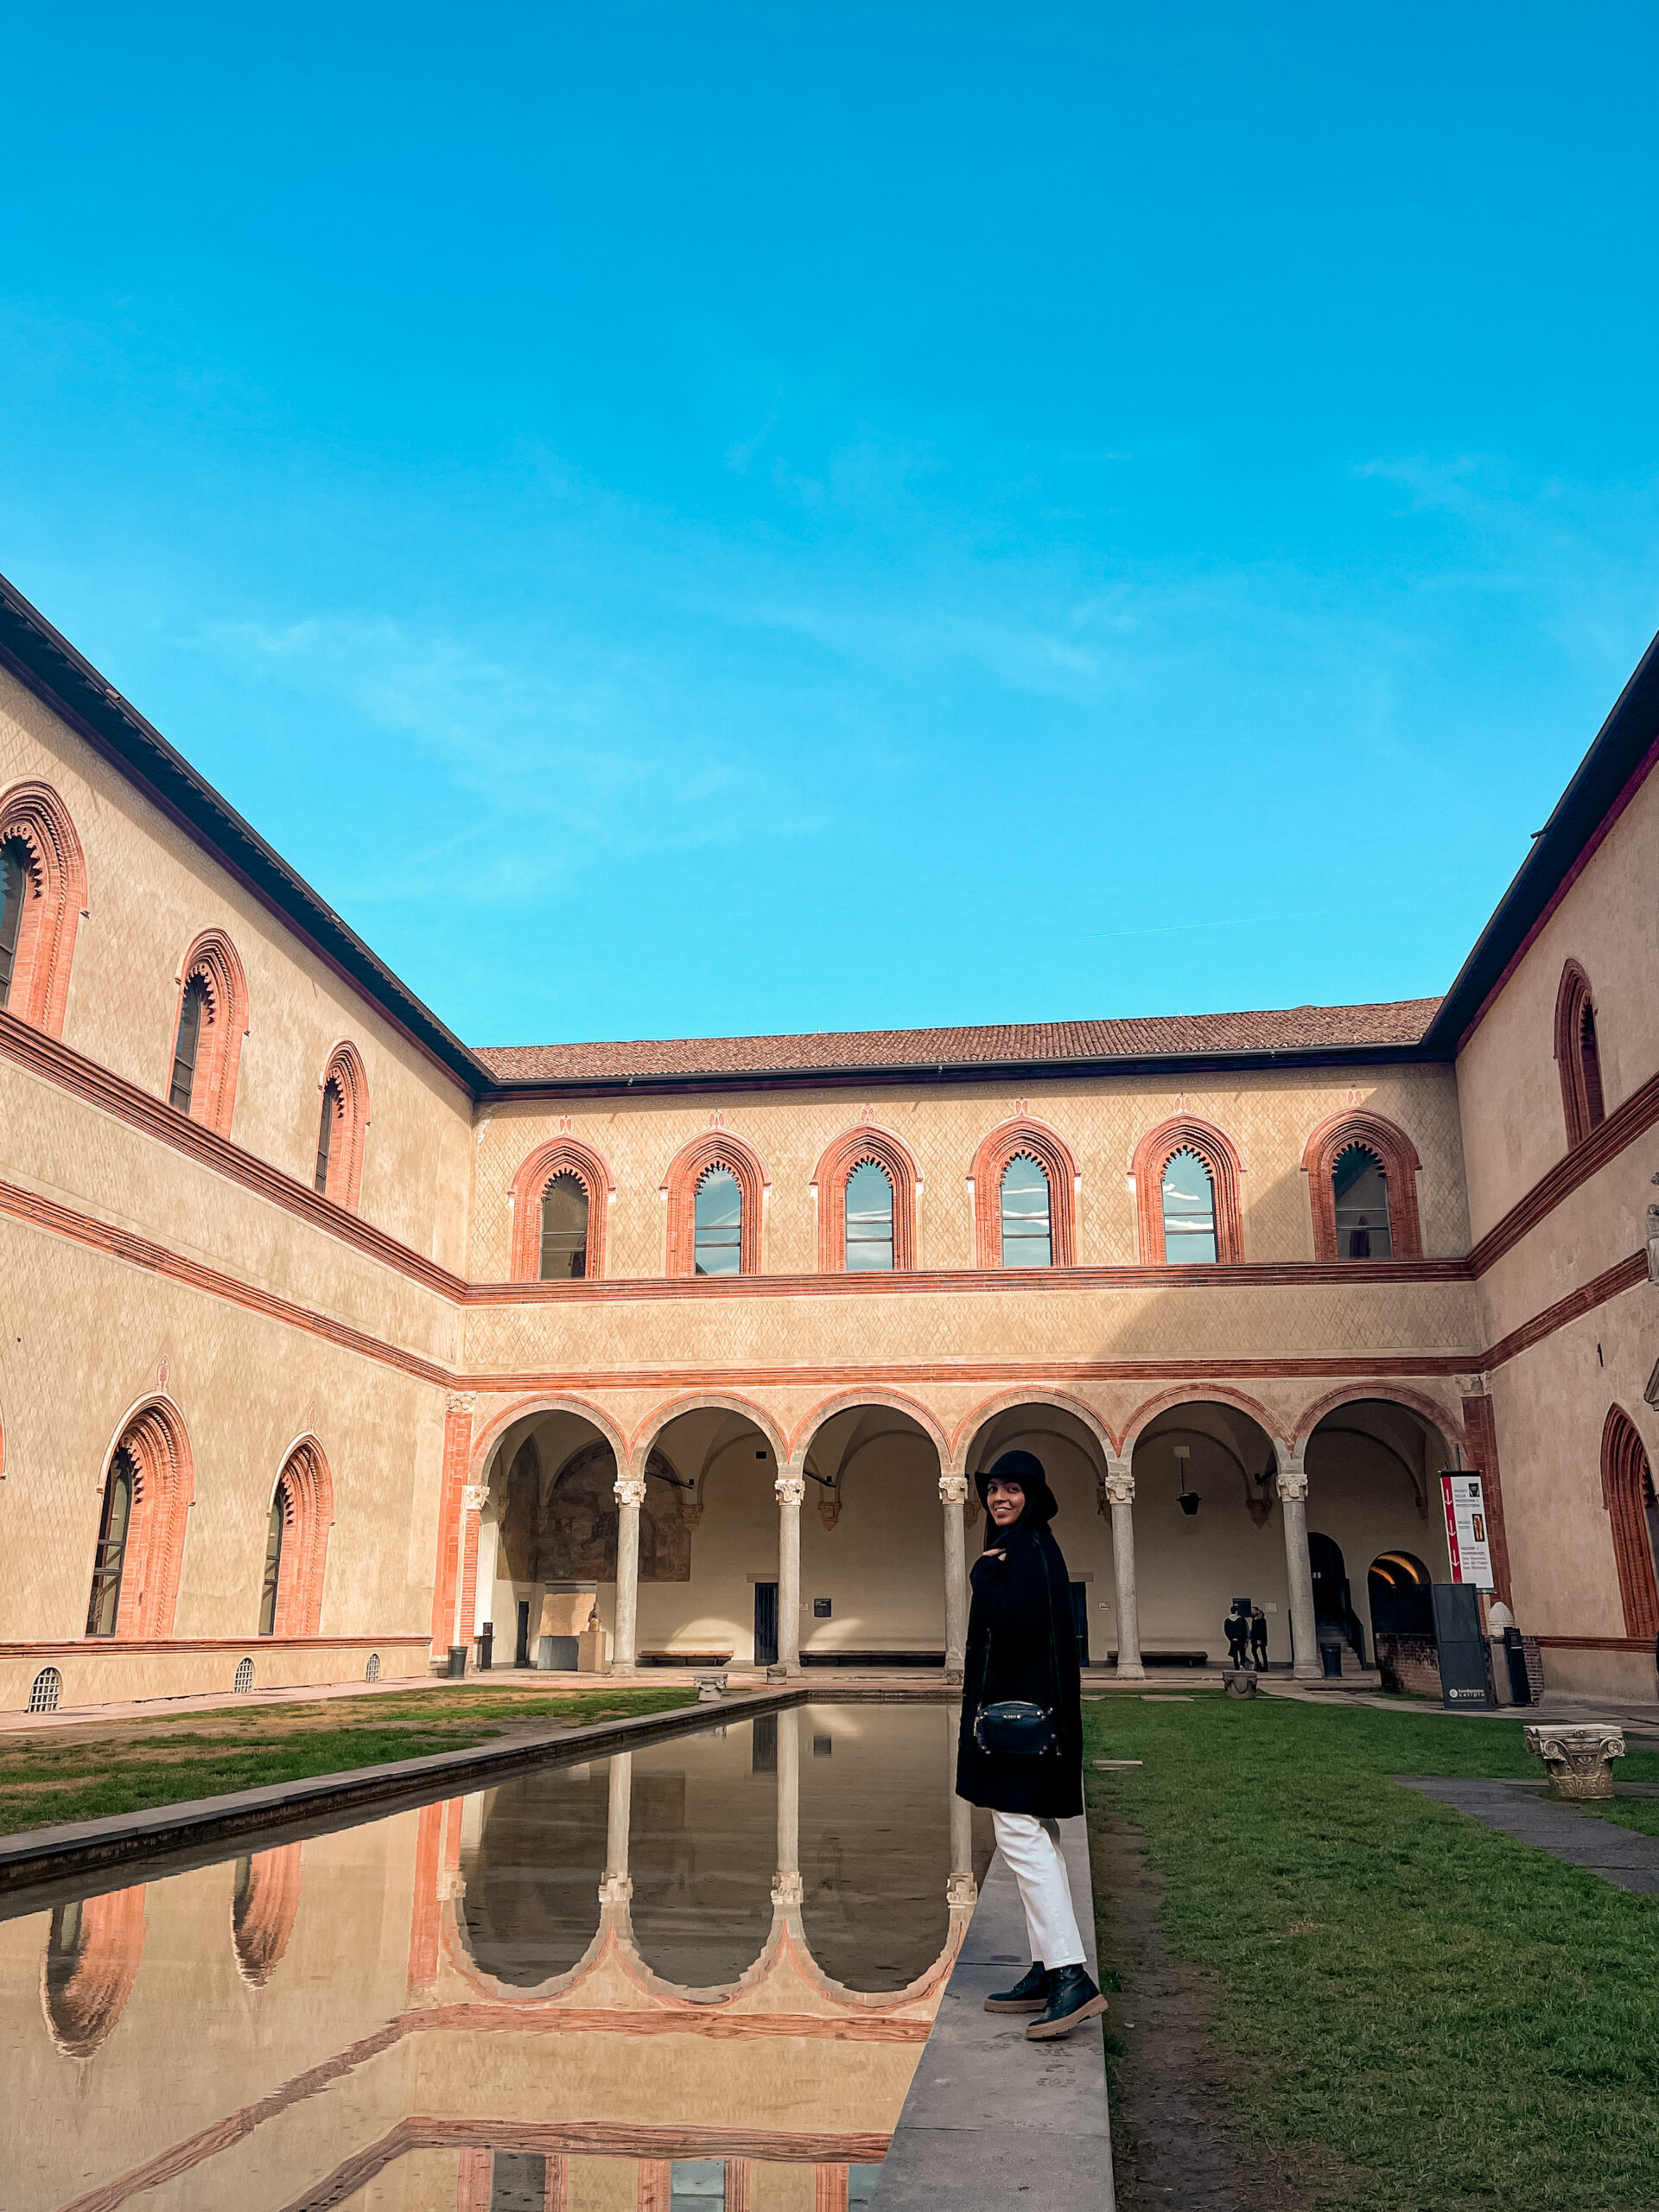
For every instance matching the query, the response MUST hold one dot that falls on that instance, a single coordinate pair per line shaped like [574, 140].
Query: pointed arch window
[564, 1229]
[43, 895]
[1189, 1204]
[1628, 1494]
[296, 1544]
[110, 1559]
[1026, 1212]
[1359, 1193]
[280, 1509]
[207, 1031]
[14, 890]
[333, 1108]
[1186, 1176]
[342, 1126]
[1577, 1055]
[869, 1219]
[187, 1045]
[717, 1243]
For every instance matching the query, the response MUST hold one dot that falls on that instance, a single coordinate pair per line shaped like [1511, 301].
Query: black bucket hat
[1025, 1469]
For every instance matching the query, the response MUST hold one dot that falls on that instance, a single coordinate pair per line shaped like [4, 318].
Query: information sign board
[1465, 1529]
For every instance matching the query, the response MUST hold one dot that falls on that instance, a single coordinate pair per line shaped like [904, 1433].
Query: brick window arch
[1578, 1054]
[1394, 1152]
[1036, 1140]
[207, 1047]
[93, 1950]
[702, 1157]
[893, 1157]
[44, 896]
[265, 1905]
[1185, 1133]
[565, 1156]
[135, 1591]
[342, 1126]
[1628, 1494]
[296, 1550]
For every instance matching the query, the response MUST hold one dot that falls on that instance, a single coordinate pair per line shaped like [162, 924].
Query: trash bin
[1330, 1657]
[1515, 1652]
[486, 1647]
[457, 1662]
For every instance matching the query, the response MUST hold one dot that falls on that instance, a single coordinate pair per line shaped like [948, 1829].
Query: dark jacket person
[1023, 1649]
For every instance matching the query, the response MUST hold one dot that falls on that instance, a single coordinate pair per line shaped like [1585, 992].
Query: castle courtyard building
[330, 1338]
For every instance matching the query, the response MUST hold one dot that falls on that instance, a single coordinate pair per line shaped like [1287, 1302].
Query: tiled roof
[1296, 1029]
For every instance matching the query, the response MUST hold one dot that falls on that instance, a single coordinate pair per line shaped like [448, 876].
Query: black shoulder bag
[1013, 1727]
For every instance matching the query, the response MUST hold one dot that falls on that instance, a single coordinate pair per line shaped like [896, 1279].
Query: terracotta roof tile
[1296, 1029]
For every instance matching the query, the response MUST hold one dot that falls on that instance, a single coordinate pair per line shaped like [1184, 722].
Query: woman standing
[1020, 1749]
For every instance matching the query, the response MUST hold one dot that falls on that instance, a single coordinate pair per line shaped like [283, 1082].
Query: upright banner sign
[1465, 1530]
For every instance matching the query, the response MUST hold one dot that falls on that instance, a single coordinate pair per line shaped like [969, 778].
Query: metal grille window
[333, 1110]
[242, 1682]
[718, 1239]
[564, 1229]
[869, 1218]
[273, 1561]
[105, 1606]
[372, 1672]
[46, 1691]
[14, 889]
[190, 1041]
[1189, 1209]
[1027, 1232]
[1359, 1186]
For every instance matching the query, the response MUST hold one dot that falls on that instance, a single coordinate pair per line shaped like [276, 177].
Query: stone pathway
[1617, 1855]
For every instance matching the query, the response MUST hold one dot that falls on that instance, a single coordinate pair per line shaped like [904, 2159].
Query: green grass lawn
[50, 1777]
[1465, 2020]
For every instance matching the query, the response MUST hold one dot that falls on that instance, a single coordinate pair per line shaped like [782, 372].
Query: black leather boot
[1072, 1999]
[1027, 1995]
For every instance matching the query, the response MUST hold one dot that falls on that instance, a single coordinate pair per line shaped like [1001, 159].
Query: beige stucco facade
[189, 1275]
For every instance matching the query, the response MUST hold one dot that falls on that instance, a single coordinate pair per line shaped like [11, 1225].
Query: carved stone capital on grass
[1578, 1757]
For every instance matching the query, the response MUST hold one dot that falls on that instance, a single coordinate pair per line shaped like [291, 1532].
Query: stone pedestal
[1241, 1680]
[1578, 1757]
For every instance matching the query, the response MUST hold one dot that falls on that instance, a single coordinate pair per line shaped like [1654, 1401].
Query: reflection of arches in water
[875, 1851]
[1397, 1585]
[531, 1909]
[92, 1958]
[264, 1908]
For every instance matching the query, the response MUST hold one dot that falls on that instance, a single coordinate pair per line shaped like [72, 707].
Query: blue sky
[697, 520]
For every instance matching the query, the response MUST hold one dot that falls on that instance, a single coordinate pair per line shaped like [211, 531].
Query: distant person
[1258, 1638]
[1237, 1626]
[1019, 1750]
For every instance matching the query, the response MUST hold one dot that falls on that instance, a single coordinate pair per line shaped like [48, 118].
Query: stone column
[790, 1489]
[617, 1886]
[953, 1495]
[786, 1882]
[1304, 1643]
[1120, 1496]
[630, 1496]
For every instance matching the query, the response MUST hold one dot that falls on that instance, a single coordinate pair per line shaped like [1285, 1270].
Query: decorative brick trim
[1438, 1418]
[1397, 1156]
[893, 1156]
[33, 815]
[1480, 1433]
[973, 1423]
[214, 960]
[552, 1399]
[425, 1912]
[345, 1078]
[1642, 1643]
[1053, 1155]
[82, 2012]
[1613, 1282]
[308, 1492]
[564, 1156]
[645, 1435]
[261, 1920]
[1185, 1133]
[154, 1436]
[719, 1148]
[475, 2181]
[1583, 1104]
[1625, 1479]
[1631, 1118]
[457, 1457]
[101, 1646]
[844, 1401]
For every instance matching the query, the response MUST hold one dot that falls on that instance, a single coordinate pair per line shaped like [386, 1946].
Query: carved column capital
[787, 1891]
[462, 1401]
[474, 1497]
[953, 1490]
[1292, 1481]
[962, 1893]
[631, 1490]
[1118, 1487]
[616, 1890]
[790, 1488]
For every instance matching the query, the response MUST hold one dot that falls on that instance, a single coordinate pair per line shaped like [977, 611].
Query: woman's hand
[992, 1554]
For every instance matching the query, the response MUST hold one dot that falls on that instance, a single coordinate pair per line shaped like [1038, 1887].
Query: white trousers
[1035, 1863]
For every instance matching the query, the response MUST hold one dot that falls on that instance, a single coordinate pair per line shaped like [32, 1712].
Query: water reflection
[698, 1976]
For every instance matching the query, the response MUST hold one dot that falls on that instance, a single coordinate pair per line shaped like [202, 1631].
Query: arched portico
[877, 1466]
[1075, 1447]
[1372, 1464]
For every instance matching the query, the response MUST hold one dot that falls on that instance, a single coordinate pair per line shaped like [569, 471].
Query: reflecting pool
[696, 1977]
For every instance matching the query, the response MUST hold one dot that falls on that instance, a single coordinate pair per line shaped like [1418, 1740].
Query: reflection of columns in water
[630, 1496]
[1119, 1487]
[617, 1888]
[791, 1488]
[953, 1495]
[786, 1889]
[960, 1890]
[1293, 1496]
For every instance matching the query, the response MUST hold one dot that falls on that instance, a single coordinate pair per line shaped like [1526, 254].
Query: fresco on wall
[578, 1526]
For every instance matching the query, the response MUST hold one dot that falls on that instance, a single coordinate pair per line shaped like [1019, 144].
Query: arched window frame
[1624, 1473]
[893, 1157]
[305, 1485]
[55, 903]
[564, 1156]
[215, 960]
[719, 1148]
[344, 1072]
[1583, 1102]
[1185, 1133]
[1051, 1152]
[1400, 1165]
[164, 1490]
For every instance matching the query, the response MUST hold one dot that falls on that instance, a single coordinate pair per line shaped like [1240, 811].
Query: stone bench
[685, 1659]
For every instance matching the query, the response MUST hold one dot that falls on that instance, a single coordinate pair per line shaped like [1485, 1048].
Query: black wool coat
[1021, 1645]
